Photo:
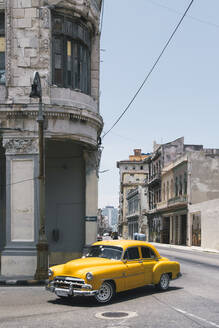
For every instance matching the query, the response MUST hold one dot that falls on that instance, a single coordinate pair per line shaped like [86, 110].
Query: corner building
[60, 40]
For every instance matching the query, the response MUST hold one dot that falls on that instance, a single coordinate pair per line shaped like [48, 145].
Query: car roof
[124, 243]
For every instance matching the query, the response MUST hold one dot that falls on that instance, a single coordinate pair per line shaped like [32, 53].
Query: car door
[149, 260]
[134, 272]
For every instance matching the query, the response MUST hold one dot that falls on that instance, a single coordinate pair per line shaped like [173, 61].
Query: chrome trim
[71, 288]
[69, 278]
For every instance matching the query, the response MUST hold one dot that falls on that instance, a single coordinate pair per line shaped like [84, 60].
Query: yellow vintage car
[112, 266]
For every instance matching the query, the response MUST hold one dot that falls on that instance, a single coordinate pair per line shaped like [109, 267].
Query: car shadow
[120, 297]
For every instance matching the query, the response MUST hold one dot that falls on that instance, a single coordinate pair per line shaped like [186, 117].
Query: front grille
[65, 282]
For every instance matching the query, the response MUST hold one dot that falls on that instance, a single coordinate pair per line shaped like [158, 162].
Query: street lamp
[42, 245]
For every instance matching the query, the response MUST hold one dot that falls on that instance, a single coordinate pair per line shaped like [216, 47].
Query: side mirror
[124, 261]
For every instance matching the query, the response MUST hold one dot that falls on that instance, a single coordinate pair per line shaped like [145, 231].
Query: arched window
[71, 53]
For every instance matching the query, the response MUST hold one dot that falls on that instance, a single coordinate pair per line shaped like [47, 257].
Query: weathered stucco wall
[204, 177]
[209, 211]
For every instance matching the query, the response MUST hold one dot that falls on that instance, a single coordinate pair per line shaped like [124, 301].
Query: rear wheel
[105, 293]
[164, 282]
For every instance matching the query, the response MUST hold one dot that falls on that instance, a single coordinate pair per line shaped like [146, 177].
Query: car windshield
[108, 252]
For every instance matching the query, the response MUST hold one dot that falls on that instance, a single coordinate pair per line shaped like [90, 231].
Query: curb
[21, 282]
[186, 248]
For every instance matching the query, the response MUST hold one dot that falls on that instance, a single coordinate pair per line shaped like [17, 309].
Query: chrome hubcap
[104, 293]
[164, 281]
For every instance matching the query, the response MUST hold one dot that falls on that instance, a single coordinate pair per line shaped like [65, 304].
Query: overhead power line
[152, 69]
[199, 20]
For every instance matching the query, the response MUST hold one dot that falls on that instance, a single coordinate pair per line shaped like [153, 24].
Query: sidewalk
[186, 248]
[20, 281]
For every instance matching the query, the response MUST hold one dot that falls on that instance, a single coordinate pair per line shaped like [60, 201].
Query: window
[147, 252]
[131, 253]
[180, 185]
[185, 183]
[71, 54]
[2, 48]
[168, 190]
[164, 188]
[176, 186]
[108, 252]
[172, 188]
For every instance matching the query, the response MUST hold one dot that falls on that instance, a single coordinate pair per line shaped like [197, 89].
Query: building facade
[176, 199]
[133, 173]
[137, 208]
[185, 210]
[162, 156]
[60, 40]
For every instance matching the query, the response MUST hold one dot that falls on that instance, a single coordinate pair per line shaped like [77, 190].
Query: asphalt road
[191, 301]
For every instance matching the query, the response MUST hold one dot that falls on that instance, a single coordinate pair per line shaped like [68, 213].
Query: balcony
[133, 215]
[152, 209]
[154, 178]
[162, 205]
[178, 200]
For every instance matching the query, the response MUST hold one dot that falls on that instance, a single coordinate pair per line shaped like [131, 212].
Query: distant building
[133, 173]
[183, 189]
[137, 207]
[112, 214]
[171, 195]
[102, 223]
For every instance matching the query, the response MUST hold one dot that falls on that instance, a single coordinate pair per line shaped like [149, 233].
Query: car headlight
[50, 273]
[89, 276]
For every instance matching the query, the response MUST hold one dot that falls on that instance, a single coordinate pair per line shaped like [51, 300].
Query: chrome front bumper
[71, 291]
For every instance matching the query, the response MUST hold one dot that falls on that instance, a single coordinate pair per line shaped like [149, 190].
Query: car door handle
[140, 261]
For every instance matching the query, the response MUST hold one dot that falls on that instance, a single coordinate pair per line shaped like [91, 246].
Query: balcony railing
[133, 214]
[177, 200]
[154, 177]
[162, 205]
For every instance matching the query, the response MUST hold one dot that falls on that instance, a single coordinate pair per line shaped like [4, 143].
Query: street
[191, 301]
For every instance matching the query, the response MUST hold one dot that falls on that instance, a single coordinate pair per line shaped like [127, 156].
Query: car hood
[80, 267]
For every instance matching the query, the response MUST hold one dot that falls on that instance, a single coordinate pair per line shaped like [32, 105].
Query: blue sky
[181, 97]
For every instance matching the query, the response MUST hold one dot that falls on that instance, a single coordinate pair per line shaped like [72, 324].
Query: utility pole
[42, 245]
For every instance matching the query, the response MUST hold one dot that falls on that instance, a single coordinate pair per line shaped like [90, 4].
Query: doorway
[65, 194]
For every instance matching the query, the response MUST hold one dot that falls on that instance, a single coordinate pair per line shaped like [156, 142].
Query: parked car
[110, 267]
[99, 238]
[114, 235]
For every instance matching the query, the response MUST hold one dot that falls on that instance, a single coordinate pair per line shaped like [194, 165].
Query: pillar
[91, 195]
[19, 251]
[171, 230]
[180, 230]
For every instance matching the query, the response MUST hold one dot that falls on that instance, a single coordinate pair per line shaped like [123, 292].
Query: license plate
[61, 292]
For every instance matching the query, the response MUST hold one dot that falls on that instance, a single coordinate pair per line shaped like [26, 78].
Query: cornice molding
[89, 117]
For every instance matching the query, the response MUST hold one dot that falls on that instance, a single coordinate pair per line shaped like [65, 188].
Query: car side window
[131, 253]
[147, 252]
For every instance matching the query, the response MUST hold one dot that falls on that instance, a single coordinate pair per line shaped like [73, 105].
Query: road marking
[196, 317]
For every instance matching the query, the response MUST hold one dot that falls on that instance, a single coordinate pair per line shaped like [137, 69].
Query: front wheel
[164, 282]
[105, 293]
